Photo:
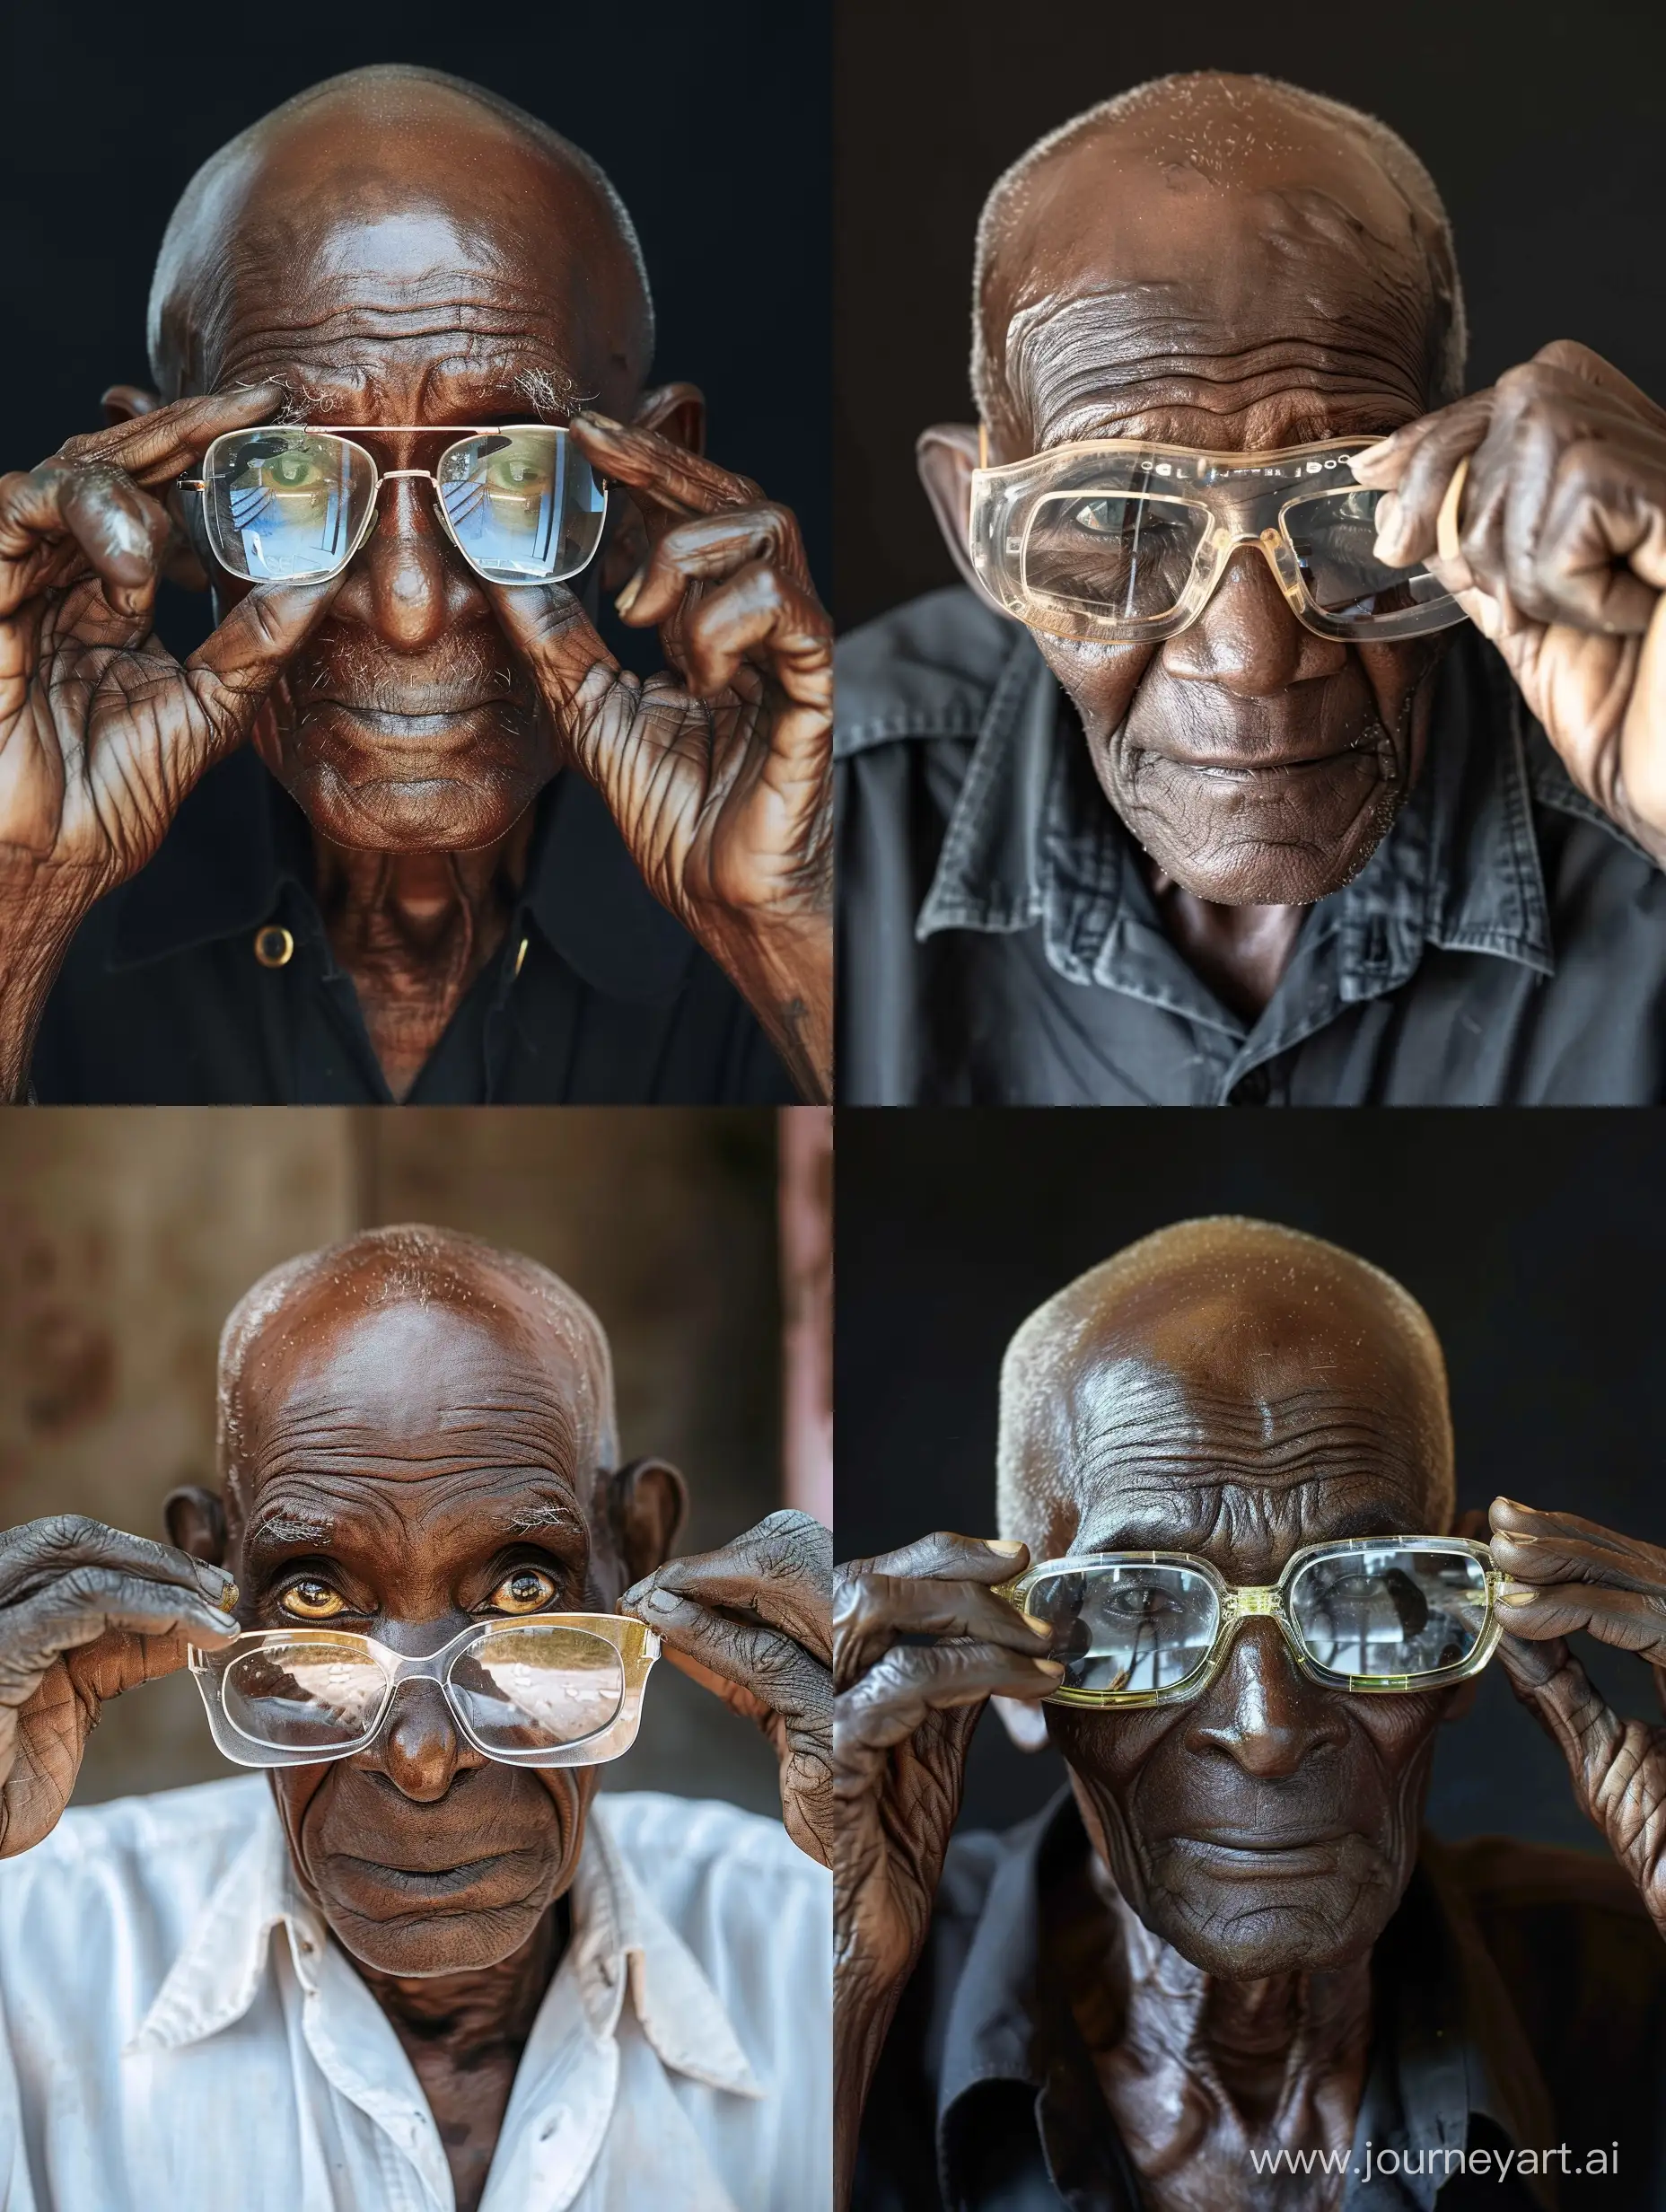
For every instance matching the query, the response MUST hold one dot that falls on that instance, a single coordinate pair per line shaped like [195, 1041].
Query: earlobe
[676, 412]
[195, 1522]
[648, 1505]
[945, 456]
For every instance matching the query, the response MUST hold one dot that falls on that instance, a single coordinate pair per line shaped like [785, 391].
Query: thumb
[121, 1659]
[562, 647]
[231, 673]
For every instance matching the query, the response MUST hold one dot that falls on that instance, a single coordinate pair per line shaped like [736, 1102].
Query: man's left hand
[1574, 1575]
[719, 775]
[1559, 557]
[753, 1622]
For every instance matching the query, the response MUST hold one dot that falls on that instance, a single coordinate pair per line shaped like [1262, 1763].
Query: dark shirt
[163, 1001]
[999, 941]
[1518, 2002]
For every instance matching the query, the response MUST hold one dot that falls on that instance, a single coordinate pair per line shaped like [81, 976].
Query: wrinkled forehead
[1251, 1417]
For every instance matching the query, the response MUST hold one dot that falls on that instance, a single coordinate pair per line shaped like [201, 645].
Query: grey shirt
[999, 942]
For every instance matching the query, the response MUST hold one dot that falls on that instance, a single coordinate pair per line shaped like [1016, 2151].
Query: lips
[1252, 1854]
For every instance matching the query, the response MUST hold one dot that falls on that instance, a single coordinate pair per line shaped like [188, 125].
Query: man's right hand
[902, 1718]
[102, 731]
[85, 1612]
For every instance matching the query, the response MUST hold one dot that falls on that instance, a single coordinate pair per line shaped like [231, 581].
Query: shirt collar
[620, 1941]
[1031, 839]
[1449, 2043]
[239, 842]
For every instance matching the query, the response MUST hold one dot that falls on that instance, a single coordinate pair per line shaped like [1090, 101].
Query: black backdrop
[1541, 121]
[1535, 1239]
[713, 123]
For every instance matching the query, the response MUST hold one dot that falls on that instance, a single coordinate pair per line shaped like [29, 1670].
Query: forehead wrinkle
[337, 1506]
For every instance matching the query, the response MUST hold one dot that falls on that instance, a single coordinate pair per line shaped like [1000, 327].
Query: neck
[1200, 2071]
[1240, 952]
[414, 930]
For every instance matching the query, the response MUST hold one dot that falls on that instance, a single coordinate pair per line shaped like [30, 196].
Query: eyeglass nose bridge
[1275, 549]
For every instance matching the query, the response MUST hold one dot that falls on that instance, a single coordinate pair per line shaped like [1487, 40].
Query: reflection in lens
[535, 1689]
[1334, 536]
[1118, 553]
[285, 504]
[525, 504]
[1127, 1626]
[304, 1696]
[1386, 1611]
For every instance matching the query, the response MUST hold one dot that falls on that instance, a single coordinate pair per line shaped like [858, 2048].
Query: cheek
[1099, 681]
[1402, 680]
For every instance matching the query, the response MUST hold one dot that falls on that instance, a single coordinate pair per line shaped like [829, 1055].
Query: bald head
[1233, 224]
[392, 1284]
[1224, 1372]
[357, 184]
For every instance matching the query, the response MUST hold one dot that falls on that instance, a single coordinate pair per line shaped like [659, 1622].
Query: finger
[761, 615]
[897, 1696]
[563, 650]
[41, 1551]
[156, 447]
[668, 476]
[1407, 517]
[89, 1602]
[1580, 361]
[708, 549]
[874, 1611]
[1628, 1620]
[781, 1571]
[1606, 1757]
[1555, 1559]
[949, 1559]
[231, 673]
[115, 528]
[1594, 552]
[1509, 1514]
[771, 1671]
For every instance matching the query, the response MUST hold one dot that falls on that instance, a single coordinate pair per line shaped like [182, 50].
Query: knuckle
[63, 1535]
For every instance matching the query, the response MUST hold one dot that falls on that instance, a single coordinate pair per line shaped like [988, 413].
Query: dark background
[1542, 125]
[1534, 1240]
[713, 123]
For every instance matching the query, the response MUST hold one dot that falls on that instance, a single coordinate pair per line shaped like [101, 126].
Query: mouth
[424, 1885]
[1283, 766]
[388, 722]
[1235, 1855]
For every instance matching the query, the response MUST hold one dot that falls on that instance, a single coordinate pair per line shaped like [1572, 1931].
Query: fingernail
[1052, 1668]
[663, 1601]
[593, 414]
[1515, 1536]
[1008, 1547]
[627, 597]
[1514, 1505]
[1518, 1597]
[1372, 454]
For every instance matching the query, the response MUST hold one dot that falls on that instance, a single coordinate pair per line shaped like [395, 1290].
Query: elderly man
[1223, 1970]
[428, 1968]
[1196, 796]
[403, 829]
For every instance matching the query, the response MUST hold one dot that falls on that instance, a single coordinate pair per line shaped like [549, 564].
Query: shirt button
[520, 956]
[273, 946]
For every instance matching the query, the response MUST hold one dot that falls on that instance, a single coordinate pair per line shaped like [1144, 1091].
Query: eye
[512, 472]
[524, 1590]
[311, 1600]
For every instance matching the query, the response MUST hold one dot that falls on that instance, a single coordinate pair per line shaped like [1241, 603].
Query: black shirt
[598, 996]
[999, 942]
[1518, 2002]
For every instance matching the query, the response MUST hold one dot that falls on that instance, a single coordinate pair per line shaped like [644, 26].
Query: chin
[418, 1946]
[1243, 1935]
[1238, 864]
[441, 814]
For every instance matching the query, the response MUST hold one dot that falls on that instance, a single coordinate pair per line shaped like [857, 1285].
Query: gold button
[274, 947]
[520, 956]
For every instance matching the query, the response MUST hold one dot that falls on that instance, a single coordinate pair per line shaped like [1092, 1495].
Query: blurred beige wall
[125, 1236]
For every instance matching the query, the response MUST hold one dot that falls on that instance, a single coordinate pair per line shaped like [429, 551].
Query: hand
[902, 1719]
[85, 1612]
[749, 1622]
[719, 775]
[1567, 1574]
[102, 731]
[1561, 559]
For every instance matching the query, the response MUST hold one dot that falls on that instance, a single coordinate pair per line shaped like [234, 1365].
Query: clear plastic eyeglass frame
[634, 1645]
[1171, 517]
[570, 531]
[1237, 1603]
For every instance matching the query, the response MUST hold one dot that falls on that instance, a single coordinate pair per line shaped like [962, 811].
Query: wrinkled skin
[1248, 1846]
[1225, 270]
[396, 252]
[419, 1462]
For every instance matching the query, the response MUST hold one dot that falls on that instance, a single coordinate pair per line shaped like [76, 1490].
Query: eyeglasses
[1117, 540]
[520, 504]
[548, 1690]
[1370, 1613]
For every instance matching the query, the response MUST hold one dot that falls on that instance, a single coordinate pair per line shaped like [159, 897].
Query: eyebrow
[281, 1525]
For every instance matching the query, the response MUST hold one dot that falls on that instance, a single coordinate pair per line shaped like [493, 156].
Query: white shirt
[178, 2029]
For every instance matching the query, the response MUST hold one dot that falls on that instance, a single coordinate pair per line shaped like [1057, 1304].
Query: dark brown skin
[1226, 271]
[1250, 1845]
[396, 252]
[412, 1467]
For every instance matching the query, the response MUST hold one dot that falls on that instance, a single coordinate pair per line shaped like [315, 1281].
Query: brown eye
[527, 1590]
[311, 1600]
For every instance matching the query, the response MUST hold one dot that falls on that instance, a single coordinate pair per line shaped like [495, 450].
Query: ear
[648, 1505]
[677, 412]
[195, 1522]
[182, 563]
[1024, 1722]
[945, 456]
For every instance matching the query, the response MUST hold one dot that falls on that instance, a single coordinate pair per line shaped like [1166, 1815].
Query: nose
[420, 1749]
[405, 582]
[1259, 1712]
[1247, 640]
